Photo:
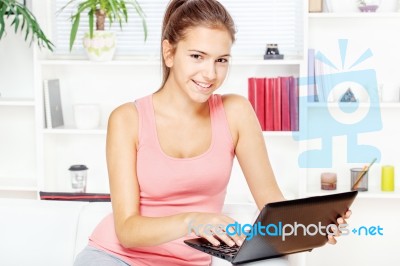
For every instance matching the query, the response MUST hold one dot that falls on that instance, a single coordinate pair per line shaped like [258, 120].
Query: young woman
[170, 154]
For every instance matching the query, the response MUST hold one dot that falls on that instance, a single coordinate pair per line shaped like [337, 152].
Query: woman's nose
[209, 71]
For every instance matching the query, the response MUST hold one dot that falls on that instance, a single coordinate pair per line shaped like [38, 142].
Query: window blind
[258, 22]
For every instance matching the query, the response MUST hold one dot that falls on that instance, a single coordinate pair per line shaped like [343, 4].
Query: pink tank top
[171, 185]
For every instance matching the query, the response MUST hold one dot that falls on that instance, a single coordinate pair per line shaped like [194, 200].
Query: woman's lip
[204, 85]
[201, 88]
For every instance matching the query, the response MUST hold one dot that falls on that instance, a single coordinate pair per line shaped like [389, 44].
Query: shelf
[83, 62]
[157, 62]
[18, 184]
[372, 193]
[279, 133]
[16, 102]
[75, 131]
[249, 62]
[382, 105]
[354, 15]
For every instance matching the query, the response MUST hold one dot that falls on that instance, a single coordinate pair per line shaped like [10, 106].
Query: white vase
[341, 6]
[101, 47]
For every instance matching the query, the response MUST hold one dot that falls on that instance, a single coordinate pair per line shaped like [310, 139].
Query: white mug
[87, 116]
[390, 92]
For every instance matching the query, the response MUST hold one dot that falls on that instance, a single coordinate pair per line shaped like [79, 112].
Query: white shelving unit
[17, 118]
[17, 102]
[323, 31]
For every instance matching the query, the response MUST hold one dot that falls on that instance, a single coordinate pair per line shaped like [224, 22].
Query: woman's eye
[196, 56]
[222, 60]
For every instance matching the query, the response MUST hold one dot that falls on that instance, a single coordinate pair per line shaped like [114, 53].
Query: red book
[285, 104]
[277, 104]
[256, 97]
[294, 103]
[269, 105]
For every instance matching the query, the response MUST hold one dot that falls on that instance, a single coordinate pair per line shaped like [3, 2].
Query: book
[269, 104]
[312, 90]
[285, 103]
[294, 103]
[319, 80]
[256, 92]
[52, 103]
[277, 103]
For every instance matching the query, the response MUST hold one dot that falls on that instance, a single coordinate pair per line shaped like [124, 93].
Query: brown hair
[183, 14]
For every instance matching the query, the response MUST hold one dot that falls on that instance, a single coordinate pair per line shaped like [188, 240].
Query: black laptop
[305, 218]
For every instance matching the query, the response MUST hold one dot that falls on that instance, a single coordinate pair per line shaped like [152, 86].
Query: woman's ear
[168, 53]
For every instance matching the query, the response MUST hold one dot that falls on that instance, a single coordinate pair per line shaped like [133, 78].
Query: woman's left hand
[341, 220]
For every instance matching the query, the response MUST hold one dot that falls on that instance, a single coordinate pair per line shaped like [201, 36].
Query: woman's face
[200, 62]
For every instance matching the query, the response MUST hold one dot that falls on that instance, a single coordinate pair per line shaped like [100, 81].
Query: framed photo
[314, 6]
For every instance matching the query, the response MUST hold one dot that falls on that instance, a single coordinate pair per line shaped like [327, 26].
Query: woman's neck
[175, 101]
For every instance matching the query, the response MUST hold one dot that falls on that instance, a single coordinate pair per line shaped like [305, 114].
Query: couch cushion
[36, 232]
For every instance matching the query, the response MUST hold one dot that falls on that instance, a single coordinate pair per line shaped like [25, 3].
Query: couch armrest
[31, 229]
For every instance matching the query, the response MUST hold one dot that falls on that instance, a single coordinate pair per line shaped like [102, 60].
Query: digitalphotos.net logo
[334, 118]
[283, 230]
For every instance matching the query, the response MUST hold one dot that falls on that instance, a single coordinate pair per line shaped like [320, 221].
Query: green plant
[113, 10]
[22, 19]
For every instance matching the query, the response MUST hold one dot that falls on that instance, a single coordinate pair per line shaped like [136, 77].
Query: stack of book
[276, 102]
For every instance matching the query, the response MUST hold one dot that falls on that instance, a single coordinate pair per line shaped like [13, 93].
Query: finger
[347, 214]
[210, 238]
[237, 237]
[331, 240]
[226, 239]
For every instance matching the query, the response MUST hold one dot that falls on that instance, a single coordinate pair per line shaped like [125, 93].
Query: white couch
[35, 232]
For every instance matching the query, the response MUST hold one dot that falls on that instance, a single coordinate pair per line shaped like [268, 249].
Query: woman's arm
[252, 154]
[131, 228]
[251, 151]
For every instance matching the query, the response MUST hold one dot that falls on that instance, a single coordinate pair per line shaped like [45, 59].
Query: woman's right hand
[212, 227]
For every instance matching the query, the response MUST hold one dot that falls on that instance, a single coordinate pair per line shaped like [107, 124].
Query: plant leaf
[21, 12]
[91, 26]
[74, 30]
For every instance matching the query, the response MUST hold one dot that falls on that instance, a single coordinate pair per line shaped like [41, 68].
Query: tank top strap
[221, 131]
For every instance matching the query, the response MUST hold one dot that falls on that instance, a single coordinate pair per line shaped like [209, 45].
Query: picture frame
[315, 6]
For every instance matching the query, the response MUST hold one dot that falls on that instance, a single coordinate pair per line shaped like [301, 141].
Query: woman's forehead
[207, 40]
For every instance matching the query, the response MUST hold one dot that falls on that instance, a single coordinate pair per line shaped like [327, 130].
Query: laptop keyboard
[222, 248]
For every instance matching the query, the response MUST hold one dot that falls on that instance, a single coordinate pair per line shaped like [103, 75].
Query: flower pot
[101, 47]
[368, 8]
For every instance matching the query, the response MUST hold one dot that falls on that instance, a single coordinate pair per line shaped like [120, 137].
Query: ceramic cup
[390, 92]
[87, 116]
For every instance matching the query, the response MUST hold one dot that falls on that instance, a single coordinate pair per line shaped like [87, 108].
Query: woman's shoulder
[237, 110]
[124, 116]
[234, 103]
[124, 111]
